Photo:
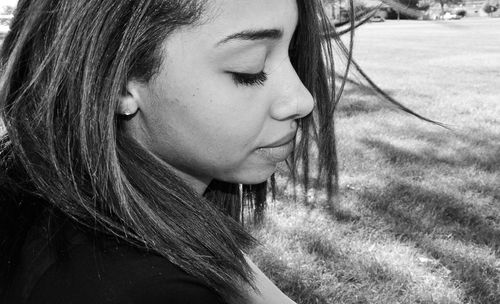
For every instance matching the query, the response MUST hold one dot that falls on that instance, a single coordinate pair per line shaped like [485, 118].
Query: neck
[198, 184]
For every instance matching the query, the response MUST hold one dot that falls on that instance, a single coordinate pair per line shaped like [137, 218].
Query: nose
[294, 101]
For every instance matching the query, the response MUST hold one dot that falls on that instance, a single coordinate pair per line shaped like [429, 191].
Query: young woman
[136, 129]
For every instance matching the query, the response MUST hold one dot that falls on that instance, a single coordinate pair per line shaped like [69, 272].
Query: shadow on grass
[482, 151]
[488, 190]
[343, 215]
[358, 99]
[416, 213]
[425, 214]
[298, 284]
[347, 270]
[480, 279]
[351, 280]
[413, 210]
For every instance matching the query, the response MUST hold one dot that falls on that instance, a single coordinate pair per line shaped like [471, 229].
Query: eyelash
[250, 79]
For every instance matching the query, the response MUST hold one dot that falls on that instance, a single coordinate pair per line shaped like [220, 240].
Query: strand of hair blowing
[317, 129]
[65, 65]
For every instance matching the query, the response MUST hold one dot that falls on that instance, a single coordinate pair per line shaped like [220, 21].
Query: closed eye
[247, 79]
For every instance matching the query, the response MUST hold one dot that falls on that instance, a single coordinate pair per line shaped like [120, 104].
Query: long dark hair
[64, 65]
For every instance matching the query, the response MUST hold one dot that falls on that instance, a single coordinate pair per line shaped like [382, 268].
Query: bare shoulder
[269, 292]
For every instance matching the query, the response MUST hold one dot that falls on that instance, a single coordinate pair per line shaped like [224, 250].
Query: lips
[278, 150]
[282, 141]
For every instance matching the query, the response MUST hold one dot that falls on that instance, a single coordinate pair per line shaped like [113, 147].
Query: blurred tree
[410, 3]
[448, 2]
[7, 10]
[489, 8]
[339, 9]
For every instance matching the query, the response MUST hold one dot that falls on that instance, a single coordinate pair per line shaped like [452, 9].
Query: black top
[47, 258]
[102, 271]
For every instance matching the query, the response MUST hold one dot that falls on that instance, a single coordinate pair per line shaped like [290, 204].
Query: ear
[130, 102]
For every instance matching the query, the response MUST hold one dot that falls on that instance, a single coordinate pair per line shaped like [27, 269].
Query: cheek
[221, 111]
[203, 124]
[208, 125]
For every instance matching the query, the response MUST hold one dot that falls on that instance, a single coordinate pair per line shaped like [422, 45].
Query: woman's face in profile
[226, 99]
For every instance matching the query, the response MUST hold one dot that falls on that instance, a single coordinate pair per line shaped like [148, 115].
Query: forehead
[199, 45]
[235, 15]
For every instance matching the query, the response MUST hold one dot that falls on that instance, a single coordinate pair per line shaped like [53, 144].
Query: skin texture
[203, 123]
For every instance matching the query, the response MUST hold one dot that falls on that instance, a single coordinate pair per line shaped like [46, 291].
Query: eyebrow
[272, 34]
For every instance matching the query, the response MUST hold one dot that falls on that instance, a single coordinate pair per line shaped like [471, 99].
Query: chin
[251, 176]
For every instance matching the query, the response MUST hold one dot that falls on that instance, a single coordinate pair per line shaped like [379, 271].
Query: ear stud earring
[127, 107]
[128, 114]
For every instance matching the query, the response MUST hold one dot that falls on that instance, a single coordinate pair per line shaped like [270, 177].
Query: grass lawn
[417, 218]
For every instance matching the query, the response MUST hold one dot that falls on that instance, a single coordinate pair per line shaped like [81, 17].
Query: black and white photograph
[249, 151]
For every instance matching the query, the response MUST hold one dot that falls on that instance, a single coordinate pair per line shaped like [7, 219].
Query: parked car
[450, 16]
[377, 19]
